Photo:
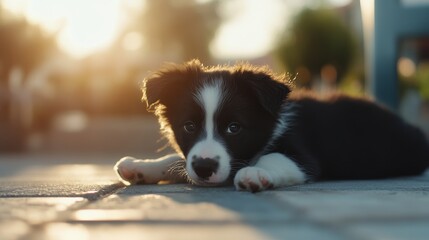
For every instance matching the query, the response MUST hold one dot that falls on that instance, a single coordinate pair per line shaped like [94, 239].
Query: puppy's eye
[189, 127]
[233, 128]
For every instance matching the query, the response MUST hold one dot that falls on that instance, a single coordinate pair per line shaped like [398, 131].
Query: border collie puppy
[243, 124]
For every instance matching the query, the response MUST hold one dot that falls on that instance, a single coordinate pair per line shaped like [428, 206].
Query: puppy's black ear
[159, 88]
[270, 90]
[163, 86]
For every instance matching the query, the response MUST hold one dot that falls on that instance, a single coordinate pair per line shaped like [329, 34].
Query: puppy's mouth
[207, 183]
[215, 179]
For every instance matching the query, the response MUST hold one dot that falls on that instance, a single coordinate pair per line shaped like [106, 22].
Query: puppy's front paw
[128, 171]
[253, 179]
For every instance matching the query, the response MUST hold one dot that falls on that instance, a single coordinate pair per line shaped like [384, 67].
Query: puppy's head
[219, 118]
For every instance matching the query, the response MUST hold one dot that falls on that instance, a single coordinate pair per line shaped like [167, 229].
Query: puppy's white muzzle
[208, 162]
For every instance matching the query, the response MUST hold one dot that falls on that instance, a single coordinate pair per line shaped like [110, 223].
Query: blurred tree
[317, 43]
[180, 27]
[22, 45]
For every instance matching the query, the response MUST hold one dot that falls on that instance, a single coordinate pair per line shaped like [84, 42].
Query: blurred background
[70, 70]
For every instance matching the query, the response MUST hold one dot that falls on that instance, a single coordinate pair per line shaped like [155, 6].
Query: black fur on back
[340, 137]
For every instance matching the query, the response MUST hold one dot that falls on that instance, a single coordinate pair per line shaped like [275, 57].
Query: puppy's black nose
[204, 167]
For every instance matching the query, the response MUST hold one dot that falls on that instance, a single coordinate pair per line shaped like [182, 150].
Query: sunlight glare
[251, 30]
[83, 27]
[67, 231]
[108, 215]
[132, 41]
[71, 121]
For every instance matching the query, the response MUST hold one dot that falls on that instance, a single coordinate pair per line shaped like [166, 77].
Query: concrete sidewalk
[42, 199]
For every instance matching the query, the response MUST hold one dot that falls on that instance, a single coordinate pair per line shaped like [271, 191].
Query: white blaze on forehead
[209, 97]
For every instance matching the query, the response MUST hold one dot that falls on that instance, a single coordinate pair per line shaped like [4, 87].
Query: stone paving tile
[402, 230]
[202, 206]
[11, 229]
[171, 188]
[58, 172]
[19, 216]
[419, 183]
[154, 208]
[37, 210]
[196, 213]
[179, 231]
[66, 180]
[354, 206]
[55, 189]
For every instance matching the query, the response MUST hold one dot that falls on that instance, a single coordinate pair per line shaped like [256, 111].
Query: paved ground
[68, 196]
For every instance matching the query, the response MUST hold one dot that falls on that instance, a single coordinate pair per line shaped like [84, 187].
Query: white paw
[253, 179]
[128, 171]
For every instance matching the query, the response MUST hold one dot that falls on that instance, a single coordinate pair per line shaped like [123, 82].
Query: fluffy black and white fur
[245, 125]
